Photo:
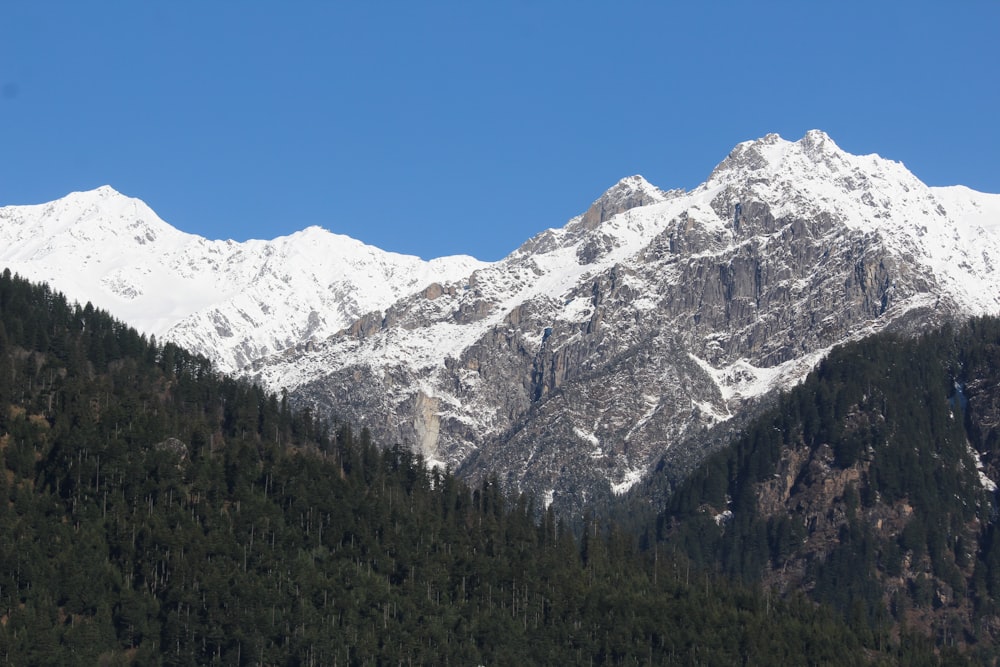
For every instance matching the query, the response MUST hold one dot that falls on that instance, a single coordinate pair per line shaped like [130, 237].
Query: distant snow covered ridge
[622, 341]
[234, 302]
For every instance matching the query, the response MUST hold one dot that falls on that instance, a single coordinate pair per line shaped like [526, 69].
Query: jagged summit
[596, 350]
[635, 186]
[773, 155]
[815, 175]
[628, 193]
[627, 334]
[818, 140]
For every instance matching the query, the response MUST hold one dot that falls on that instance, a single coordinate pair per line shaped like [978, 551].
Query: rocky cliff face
[628, 339]
[616, 343]
[872, 487]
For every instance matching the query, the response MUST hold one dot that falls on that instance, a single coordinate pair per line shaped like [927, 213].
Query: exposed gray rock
[647, 330]
[174, 446]
[636, 337]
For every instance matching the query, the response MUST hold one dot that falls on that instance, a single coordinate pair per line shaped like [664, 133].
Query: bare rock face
[632, 338]
[628, 193]
[626, 339]
[628, 382]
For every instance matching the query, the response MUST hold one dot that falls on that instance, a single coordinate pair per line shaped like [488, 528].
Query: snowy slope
[596, 351]
[952, 231]
[590, 352]
[234, 302]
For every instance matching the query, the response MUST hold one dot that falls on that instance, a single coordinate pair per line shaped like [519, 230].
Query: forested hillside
[155, 512]
[868, 487]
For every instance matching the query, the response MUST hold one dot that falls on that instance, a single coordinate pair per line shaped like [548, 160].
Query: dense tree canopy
[886, 435]
[153, 511]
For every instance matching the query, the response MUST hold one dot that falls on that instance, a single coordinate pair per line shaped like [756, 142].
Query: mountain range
[624, 341]
[233, 302]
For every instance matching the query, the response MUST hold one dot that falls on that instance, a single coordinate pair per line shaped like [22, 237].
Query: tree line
[153, 511]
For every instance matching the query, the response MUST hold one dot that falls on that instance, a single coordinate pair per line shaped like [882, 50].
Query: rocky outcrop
[634, 336]
[627, 194]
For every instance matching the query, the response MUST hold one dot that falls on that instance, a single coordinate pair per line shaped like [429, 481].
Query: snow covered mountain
[622, 342]
[233, 302]
[616, 343]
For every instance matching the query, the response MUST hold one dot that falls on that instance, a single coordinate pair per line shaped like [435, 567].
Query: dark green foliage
[255, 537]
[892, 410]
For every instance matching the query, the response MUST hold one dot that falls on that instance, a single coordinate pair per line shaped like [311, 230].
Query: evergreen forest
[153, 511]
[868, 488]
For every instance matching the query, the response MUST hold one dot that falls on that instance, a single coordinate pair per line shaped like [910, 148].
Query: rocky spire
[630, 192]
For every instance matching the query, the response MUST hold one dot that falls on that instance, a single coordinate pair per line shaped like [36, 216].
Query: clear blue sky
[436, 128]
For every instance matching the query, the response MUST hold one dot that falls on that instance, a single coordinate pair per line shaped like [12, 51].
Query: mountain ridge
[577, 363]
[724, 278]
[231, 301]
[138, 482]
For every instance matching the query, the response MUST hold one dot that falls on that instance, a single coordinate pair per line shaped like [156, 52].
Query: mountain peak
[816, 138]
[814, 166]
[632, 186]
[633, 182]
[104, 192]
[630, 192]
[585, 358]
[772, 153]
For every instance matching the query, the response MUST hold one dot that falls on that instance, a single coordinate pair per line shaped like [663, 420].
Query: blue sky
[437, 128]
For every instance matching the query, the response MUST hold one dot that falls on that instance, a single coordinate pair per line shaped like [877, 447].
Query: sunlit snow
[281, 303]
